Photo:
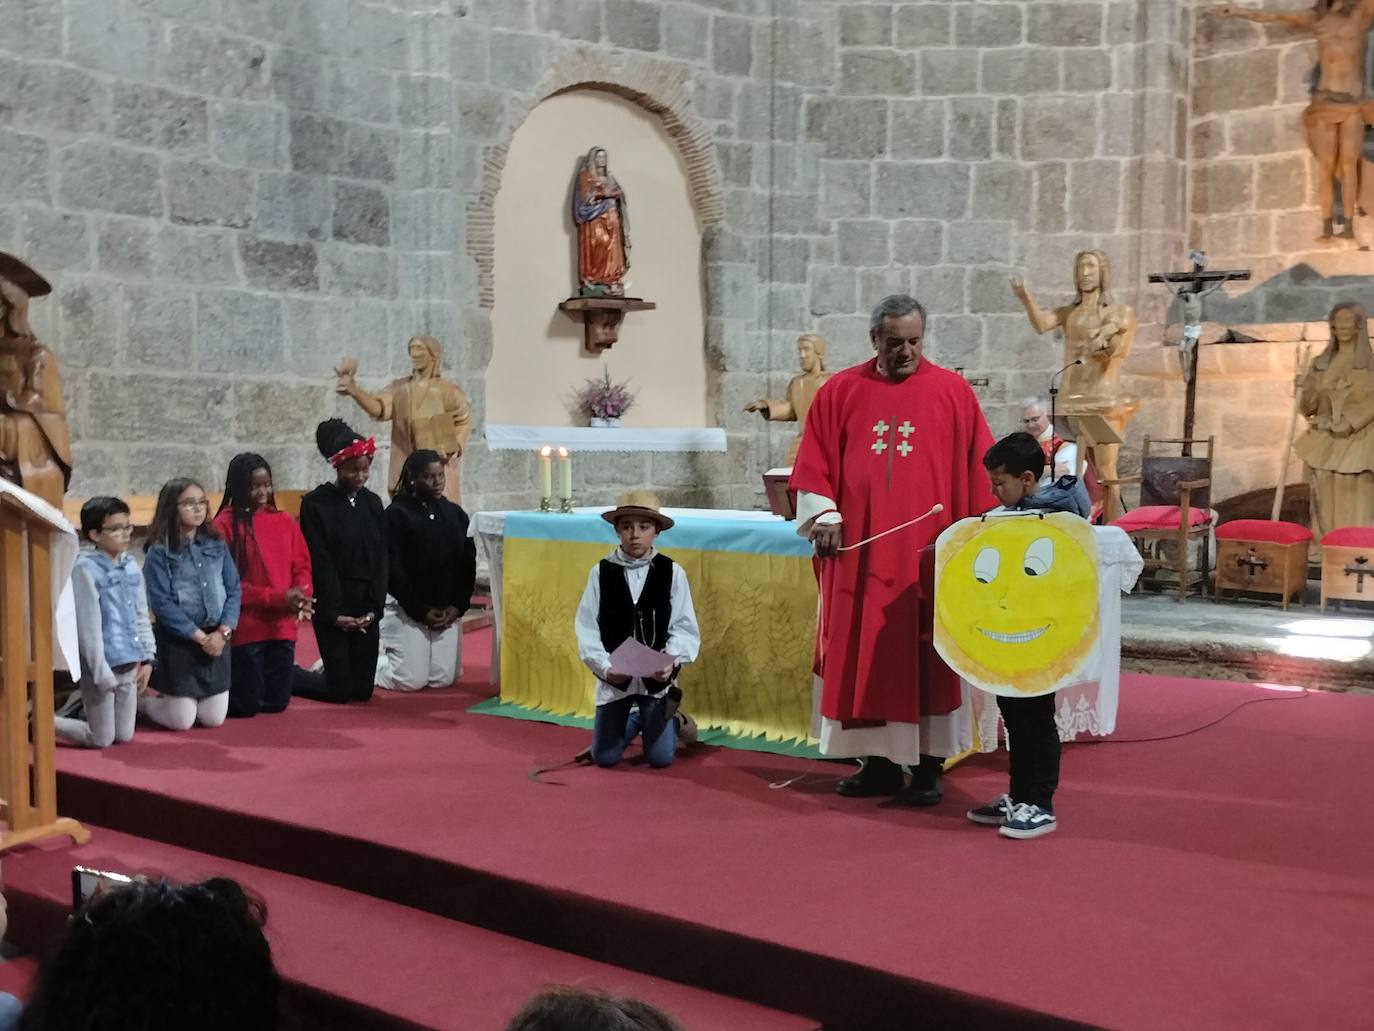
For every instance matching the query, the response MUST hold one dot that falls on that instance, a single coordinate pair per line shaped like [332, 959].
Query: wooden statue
[1337, 114]
[1337, 397]
[603, 228]
[1098, 335]
[425, 411]
[796, 399]
[35, 447]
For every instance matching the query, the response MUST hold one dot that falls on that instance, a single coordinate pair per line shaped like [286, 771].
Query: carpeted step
[355, 961]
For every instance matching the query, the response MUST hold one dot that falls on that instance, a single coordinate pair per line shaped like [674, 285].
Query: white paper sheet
[639, 660]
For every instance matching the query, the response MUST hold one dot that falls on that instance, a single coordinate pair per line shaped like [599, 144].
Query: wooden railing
[141, 506]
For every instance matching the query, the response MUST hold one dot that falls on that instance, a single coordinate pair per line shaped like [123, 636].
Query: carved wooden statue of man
[1336, 117]
[1098, 335]
[35, 447]
[425, 411]
[796, 399]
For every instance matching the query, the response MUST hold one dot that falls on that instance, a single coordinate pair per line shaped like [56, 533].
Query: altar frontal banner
[1016, 608]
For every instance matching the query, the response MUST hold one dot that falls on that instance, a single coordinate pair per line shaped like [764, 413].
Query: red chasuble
[885, 452]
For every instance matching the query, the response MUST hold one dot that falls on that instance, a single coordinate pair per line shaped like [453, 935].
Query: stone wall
[1253, 206]
[230, 194]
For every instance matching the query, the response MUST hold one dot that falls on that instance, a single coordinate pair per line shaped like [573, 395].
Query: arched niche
[538, 360]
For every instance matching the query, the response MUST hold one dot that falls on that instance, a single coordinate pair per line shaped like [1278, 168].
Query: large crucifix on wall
[1190, 288]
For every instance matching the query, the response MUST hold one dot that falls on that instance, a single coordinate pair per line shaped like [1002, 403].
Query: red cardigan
[276, 559]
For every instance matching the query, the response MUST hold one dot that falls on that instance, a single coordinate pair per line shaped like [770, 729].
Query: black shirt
[347, 542]
[432, 562]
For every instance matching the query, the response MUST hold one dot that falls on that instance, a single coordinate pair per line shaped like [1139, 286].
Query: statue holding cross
[1190, 288]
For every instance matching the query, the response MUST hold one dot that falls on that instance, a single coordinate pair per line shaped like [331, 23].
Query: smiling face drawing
[1016, 601]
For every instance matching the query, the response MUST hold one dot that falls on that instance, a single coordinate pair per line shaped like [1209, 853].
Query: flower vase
[598, 422]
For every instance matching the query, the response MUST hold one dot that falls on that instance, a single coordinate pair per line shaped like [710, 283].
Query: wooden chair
[1174, 509]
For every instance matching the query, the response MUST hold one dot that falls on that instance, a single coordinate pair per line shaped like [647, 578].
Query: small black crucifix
[1359, 571]
[1190, 288]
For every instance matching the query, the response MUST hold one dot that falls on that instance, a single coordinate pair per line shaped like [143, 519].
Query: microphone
[1054, 394]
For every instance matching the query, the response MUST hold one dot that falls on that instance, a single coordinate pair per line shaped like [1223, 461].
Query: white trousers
[181, 713]
[412, 656]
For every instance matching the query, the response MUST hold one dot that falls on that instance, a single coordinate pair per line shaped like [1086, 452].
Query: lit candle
[545, 473]
[564, 474]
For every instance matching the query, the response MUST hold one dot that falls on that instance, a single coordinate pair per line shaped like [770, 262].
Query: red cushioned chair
[1347, 561]
[1264, 556]
[1175, 500]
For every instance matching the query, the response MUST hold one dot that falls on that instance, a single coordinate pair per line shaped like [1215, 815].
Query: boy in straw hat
[636, 592]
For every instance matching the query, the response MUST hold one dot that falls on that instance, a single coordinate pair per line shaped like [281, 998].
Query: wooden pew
[141, 507]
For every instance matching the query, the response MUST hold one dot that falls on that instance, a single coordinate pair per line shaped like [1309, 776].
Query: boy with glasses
[114, 635]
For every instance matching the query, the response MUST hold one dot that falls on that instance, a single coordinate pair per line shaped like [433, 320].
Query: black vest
[620, 617]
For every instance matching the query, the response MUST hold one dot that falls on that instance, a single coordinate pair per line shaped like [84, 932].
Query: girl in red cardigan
[274, 567]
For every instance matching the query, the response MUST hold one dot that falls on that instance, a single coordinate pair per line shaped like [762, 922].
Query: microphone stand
[1054, 394]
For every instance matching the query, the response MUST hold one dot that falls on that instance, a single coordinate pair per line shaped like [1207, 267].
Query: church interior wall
[231, 197]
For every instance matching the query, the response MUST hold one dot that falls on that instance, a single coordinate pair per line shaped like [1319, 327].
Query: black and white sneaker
[1027, 821]
[994, 814]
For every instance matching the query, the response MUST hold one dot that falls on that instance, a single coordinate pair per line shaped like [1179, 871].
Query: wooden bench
[141, 507]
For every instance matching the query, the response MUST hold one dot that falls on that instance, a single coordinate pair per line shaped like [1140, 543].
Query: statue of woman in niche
[1338, 399]
[425, 411]
[35, 447]
[1098, 335]
[796, 402]
[603, 228]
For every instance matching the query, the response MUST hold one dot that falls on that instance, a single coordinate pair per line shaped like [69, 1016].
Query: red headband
[357, 449]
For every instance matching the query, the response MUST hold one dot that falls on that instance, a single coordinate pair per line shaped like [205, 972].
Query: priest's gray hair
[1035, 402]
[895, 306]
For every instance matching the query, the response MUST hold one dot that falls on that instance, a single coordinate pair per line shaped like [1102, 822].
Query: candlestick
[545, 476]
[564, 474]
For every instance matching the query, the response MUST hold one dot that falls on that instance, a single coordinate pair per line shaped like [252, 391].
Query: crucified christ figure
[1335, 118]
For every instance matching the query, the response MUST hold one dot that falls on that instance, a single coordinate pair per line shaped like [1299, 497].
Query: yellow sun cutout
[1016, 601]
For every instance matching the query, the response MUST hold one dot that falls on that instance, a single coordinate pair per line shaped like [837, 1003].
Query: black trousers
[350, 666]
[1034, 742]
[260, 677]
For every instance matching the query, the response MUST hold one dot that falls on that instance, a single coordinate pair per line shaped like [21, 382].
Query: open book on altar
[782, 501]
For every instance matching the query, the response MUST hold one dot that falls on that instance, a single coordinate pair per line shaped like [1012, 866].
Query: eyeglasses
[118, 531]
[191, 505]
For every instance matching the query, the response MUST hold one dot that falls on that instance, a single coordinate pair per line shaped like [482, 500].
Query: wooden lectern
[28, 774]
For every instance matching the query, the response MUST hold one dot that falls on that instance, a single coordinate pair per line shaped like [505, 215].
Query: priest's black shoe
[878, 776]
[924, 788]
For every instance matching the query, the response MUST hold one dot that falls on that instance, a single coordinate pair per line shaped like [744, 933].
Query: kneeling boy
[636, 592]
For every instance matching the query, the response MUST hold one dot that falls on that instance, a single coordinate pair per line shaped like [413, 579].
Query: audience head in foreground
[158, 956]
[572, 1009]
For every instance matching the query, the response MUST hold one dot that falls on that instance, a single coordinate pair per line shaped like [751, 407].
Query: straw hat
[641, 503]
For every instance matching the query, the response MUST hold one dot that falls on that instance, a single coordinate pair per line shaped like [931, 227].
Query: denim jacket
[194, 587]
[111, 615]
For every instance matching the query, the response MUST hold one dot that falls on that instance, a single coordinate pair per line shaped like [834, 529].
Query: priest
[884, 443]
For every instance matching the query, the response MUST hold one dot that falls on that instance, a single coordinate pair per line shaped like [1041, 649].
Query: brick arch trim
[656, 86]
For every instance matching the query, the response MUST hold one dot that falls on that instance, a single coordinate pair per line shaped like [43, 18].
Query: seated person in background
[636, 592]
[574, 1009]
[1014, 466]
[193, 590]
[113, 633]
[274, 577]
[431, 568]
[1061, 457]
[160, 957]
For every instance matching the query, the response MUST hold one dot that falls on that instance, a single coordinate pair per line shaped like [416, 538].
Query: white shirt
[684, 637]
[1065, 461]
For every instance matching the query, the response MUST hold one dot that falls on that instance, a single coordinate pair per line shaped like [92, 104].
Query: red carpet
[1220, 879]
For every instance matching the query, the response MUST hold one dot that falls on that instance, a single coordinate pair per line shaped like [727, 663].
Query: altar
[755, 596]
[753, 588]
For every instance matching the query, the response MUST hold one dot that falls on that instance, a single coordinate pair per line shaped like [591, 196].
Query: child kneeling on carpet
[636, 592]
[193, 590]
[1014, 466]
[114, 635]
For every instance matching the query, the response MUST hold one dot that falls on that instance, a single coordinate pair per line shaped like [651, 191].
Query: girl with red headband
[345, 533]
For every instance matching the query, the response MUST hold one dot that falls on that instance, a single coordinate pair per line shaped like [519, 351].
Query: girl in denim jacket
[193, 591]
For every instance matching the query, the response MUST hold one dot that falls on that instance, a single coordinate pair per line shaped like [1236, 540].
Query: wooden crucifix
[1190, 288]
